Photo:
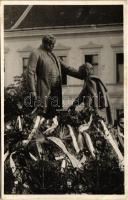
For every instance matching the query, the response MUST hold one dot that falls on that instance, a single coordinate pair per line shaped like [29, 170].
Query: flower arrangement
[72, 153]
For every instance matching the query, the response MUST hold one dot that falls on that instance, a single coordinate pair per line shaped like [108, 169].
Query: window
[119, 68]
[92, 54]
[64, 76]
[93, 59]
[25, 64]
[118, 62]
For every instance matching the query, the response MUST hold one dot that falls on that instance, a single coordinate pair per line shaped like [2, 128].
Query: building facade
[99, 44]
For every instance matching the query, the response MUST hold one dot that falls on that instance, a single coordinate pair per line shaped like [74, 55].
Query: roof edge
[59, 27]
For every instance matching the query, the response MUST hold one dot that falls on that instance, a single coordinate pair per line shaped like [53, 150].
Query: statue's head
[86, 69]
[48, 42]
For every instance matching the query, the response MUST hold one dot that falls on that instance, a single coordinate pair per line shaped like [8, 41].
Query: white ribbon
[42, 120]
[18, 122]
[37, 122]
[76, 163]
[6, 155]
[73, 139]
[53, 127]
[39, 148]
[12, 164]
[59, 157]
[85, 127]
[89, 144]
[34, 129]
[55, 121]
[80, 141]
[63, 165]
[112, 142]
[33, 157]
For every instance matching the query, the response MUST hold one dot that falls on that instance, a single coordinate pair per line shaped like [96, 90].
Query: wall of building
[74, 46]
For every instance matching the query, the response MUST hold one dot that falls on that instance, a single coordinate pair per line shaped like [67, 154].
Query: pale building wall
[75, 57]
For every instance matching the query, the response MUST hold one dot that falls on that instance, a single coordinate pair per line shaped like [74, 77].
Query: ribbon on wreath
[76, 163]
[89, 144]
[73, 139]
[110, 139]
[12, 164]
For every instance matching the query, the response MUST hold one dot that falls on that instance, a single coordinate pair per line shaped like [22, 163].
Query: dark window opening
[25, 64]
[119, 68]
